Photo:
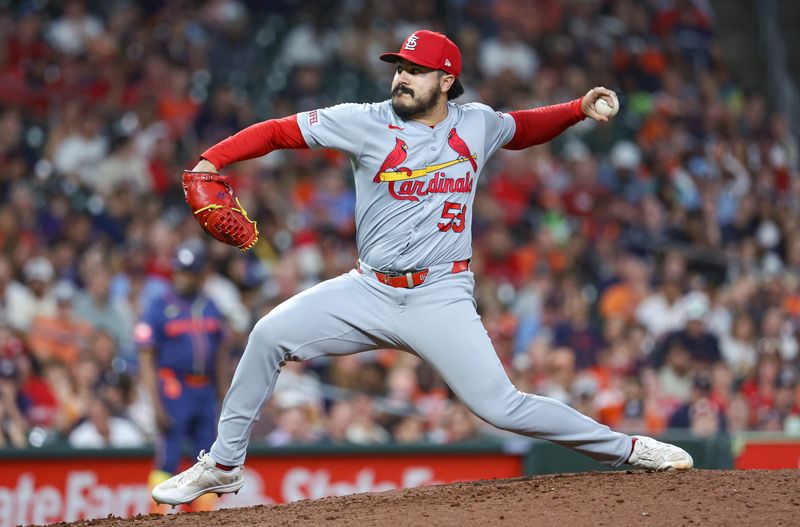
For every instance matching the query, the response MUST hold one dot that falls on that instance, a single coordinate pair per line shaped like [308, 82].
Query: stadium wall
[61, 484]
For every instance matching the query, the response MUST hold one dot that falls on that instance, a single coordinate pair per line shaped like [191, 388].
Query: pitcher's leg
[337, 317]
[205, 420]
[452, 338]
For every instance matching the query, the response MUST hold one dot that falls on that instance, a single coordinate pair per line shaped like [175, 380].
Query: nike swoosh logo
[393, 127]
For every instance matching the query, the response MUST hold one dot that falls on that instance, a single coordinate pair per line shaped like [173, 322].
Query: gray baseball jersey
[414, 184]
[414, 190]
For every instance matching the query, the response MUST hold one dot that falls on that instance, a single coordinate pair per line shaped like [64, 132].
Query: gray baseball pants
[437, 321]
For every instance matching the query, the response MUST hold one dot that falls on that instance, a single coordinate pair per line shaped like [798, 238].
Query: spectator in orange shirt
[62, 336]
[176, 106]
[622, 298]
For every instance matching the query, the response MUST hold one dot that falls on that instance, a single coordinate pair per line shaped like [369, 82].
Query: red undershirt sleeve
[540, 125]
[255, 141]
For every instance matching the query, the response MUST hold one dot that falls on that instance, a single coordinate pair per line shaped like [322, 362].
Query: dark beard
[417, 108]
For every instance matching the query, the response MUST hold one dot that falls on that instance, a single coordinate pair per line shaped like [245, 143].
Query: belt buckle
[387, 276]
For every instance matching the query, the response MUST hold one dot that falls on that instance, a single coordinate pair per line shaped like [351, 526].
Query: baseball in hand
[602, 107]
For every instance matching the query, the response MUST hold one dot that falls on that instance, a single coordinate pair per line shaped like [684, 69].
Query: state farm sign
[769, 455]
[44, 491]
[82, 496]
[302, 483]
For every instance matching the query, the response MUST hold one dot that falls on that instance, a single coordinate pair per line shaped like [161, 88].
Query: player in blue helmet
[180, 338]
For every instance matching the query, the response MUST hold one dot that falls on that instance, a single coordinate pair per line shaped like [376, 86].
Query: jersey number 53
[454, 214]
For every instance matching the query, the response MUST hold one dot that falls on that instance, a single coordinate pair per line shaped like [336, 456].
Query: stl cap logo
[411, 43]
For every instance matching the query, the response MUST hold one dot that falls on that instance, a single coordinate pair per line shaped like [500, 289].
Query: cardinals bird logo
[394, 159]
[461, 148]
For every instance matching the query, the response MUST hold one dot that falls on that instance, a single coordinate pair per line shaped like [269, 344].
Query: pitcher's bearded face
[415, 90]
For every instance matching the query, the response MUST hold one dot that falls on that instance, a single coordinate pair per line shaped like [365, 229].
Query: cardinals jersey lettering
[415, 184]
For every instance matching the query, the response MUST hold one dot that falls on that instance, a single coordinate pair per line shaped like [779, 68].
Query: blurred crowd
[645, 271]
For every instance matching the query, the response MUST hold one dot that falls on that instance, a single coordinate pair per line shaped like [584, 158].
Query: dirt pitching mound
[699, 497]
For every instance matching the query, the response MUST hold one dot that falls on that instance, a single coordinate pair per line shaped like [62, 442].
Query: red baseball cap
[430, 49]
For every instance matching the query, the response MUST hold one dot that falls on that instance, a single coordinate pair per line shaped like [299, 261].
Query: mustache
[403, 89]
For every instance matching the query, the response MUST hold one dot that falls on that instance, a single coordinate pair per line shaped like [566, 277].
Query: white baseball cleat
[201, 478]
[650, 454]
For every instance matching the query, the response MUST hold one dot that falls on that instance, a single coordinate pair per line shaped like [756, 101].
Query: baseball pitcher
[416, 159]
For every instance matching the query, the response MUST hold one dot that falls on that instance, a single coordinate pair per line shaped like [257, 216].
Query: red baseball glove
[211, 199]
